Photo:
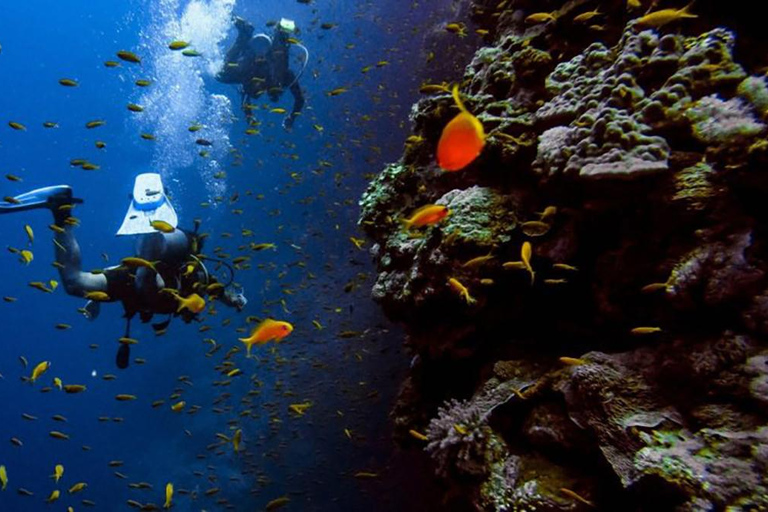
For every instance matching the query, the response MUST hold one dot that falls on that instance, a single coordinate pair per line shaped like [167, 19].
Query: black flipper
[162, 325]
[123, 356]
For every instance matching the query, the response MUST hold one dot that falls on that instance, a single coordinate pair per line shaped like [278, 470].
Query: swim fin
[47, 197]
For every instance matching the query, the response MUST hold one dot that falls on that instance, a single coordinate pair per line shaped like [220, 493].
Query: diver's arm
[75, 281]
[233, 74]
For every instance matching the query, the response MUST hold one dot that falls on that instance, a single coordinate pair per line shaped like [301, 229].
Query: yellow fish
[53, 497]
[77, 487]
[26, 256]
[58, 471]
[30, 233]
[134, 262]
[646, 330]
[193, 303]
[3, 477]
[162, 226]
[168, 495]
[540, 17]
[525, 256]
[39, 370]
[461, 290]
[97, 296]
[660, 18]
[237, 439]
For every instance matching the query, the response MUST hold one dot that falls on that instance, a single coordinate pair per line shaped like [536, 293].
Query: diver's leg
[67, 252]
[171, 248]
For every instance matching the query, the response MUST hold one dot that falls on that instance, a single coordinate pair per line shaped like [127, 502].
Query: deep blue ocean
[298, 190]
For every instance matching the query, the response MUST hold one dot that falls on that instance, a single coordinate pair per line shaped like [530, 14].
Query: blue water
[310, 215]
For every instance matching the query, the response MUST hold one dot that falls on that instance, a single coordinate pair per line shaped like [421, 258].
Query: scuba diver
[260, 65]
[168, 276]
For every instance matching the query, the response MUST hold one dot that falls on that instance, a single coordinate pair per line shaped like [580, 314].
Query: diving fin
[148, 203]
[46, 197]
[161, 326]
[123, 356]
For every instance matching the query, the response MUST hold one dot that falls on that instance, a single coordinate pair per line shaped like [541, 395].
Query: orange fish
[267, 330]
[427, 215]
[462, 139]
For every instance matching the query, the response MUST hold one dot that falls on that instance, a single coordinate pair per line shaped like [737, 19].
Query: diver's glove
[91, 310]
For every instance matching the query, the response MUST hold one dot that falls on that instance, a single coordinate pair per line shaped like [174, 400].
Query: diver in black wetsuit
[180, 270]
[266, 69]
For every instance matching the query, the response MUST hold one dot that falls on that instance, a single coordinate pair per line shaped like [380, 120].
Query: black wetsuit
[259, 74]
[137, 288]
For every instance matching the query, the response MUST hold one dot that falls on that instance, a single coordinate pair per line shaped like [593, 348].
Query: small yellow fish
[535, 228]
[135, 262]
[655, 287]
[300, 408]
[278, 110]
[17, 126]
[178, 45]
[39, 370]
[586, 16]
[124, 397]
[168, 495]
[540, 17]
[277, 503]
[645, 330]
[563, 266]
[461, 290]
[74, 388]
[77, 487]
[162, 226]
[30, 233]
[97, 296]
[68, 82]
[337, 91]
[179, 406]
[660, 18]
[418, 435]
[26, 256]
[572, 361]
[525, 257]
[128, 57]
[53, 496]
[3, 477]
[478, 261]
[237, 439]
[58, 471]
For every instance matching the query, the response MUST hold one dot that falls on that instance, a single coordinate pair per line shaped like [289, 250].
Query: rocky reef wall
[629, 369]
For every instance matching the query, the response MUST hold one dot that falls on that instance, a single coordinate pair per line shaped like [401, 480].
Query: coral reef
[627, 365]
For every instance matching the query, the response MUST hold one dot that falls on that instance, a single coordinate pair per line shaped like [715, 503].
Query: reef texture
[628, 370]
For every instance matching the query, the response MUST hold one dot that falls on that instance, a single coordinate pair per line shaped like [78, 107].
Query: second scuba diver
[260, 64]
[168, 276]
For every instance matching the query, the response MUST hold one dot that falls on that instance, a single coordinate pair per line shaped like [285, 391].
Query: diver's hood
[148, 203]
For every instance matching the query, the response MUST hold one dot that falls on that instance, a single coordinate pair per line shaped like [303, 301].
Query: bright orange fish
[267, 330]
[426, 215]
[462, 139]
